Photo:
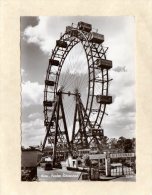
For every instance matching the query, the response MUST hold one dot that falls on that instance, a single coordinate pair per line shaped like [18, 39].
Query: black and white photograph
[78, 104]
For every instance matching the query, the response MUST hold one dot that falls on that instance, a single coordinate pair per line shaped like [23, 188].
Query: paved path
[65, 175]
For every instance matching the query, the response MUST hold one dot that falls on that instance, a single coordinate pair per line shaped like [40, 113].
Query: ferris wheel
[78, 49]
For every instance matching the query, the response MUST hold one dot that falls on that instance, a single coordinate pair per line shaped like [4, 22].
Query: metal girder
[59, 136]
[80, 137]
[83, 138]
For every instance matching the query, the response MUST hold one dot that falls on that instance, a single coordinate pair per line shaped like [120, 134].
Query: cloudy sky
[38, 37]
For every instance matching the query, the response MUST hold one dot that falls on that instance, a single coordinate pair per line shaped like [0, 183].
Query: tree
[121, 143]
[128, 145]
[105, 140]
[133, 144]
[112, 143]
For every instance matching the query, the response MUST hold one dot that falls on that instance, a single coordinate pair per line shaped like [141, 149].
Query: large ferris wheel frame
[94, 52]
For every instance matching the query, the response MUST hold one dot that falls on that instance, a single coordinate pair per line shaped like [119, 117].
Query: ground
[65, 175]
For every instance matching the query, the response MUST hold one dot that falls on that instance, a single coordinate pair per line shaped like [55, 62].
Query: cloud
[31, 112]
[119, 37]
[44, 33]
[121, 114]
[122, 84]
[37, 123]
[120, 126]
[26, 21]
[49, 29]
[39, 35]
[32, 93]
[120, 69]
[32, 132]
[34, 116]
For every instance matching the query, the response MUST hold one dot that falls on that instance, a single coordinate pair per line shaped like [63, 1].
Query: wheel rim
[92, 54]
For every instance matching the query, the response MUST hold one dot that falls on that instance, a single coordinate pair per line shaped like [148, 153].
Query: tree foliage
[122, 144]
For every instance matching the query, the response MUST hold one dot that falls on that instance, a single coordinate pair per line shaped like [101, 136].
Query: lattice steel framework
[91, 114]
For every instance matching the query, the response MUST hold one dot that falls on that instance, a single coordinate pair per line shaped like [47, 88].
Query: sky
[38, 38]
